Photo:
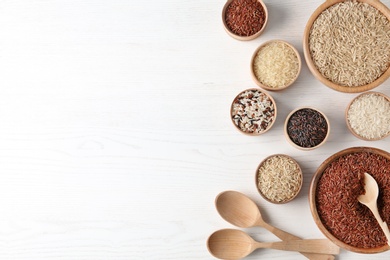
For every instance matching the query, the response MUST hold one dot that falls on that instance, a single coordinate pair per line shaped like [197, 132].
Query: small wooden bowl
[269, 125]
[349, 124]
[299, 173]
[313, 194]
[296, 145]
[256, 80]
[243, 38]
[310, 63]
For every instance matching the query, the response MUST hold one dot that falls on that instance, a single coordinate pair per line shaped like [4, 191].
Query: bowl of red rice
[334, 204]
[244, 20]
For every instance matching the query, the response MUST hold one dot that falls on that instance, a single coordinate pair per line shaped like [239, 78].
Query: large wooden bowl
[310, 63]
[313, 204]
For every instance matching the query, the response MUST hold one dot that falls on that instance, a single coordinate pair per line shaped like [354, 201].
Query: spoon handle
[316, 246]
[385, 229]
[382, 224]
[285, 236]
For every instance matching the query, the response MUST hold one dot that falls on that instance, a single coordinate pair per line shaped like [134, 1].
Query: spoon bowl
[369, 199]
[371, 191]
[230, 244]
[238, 209]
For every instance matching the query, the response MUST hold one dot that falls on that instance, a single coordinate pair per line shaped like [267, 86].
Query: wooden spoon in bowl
[236, 244]
[370, 200]
[241, 211]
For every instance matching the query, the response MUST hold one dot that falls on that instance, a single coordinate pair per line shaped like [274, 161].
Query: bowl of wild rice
[275, 65]
[279, 178]
[253, 112]
[306, 128]
[347, 44]
[333, 198]
[244, 20]
[368, 116]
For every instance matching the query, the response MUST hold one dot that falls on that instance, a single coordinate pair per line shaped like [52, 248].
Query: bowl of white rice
[275, 65]
[368, 116]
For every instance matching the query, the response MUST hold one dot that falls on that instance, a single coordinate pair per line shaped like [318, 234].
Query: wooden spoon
[235, 244]
[241, 211]
[370, 200]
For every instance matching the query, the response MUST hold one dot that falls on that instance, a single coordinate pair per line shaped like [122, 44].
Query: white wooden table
[115, 134]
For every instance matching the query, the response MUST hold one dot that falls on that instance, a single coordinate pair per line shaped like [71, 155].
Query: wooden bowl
[264, 86]
[294, 192]
[286, 134]
[248, 131]
[243, 38]
[313, 194]
[310, 63]
[352, 130]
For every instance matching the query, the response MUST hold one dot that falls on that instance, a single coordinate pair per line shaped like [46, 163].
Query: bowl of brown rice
[333, 199]
[279, 178]
[368, 116]
[346, 44]
[275, 65]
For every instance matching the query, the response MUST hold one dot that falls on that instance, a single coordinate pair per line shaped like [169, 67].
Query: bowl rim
[310, 63]
[348, 123]
[257, 174]
[256, 80]
[275, 109]
[288, 137]
[312, 197]
[244, 38]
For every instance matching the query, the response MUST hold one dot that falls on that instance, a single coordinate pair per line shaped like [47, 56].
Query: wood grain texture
[115, 134]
